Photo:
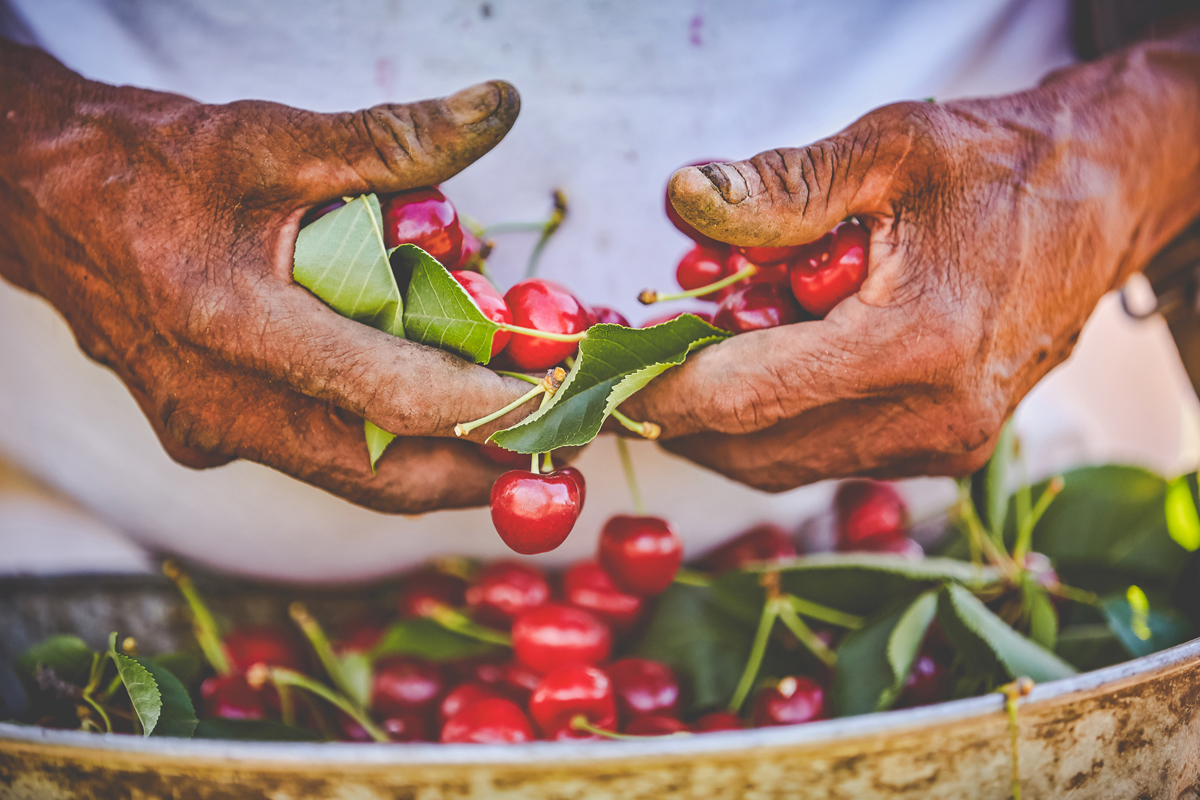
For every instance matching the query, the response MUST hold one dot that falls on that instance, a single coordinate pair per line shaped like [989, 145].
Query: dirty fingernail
[475, 103]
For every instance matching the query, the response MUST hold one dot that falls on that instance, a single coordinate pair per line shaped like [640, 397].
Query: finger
[178, 451]
[794, 195]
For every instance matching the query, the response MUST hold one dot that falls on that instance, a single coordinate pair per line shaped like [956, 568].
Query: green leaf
[438, 310]
[252, 730]
[356, 670]
[68, 656]
[1164, 627]
[706, 647]
[1183, 523]
[186, 667]
[1043, 619]
[426, 639]
[177, 716]
[342, 259]
[377, 440]
[875, 660]
[613, 363]
[143, 691]
[989, 644]
[1090, 646]
[989, 486]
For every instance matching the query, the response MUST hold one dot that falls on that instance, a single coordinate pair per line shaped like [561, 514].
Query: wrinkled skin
[996, 226]
[162, 229]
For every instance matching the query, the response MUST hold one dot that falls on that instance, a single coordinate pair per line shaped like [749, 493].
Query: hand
[163, 229]
[996, 226]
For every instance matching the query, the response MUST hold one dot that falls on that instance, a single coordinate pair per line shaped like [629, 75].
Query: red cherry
[768, 256]
[504, 589]
[474, 252]
[655, 725]
[422, 593]
[463, 695]
[402, 685]
[554, 636]
[586, 585]
[580, 483]
[869, 515]
[489, 301]
[927, 683]
[504, 457]
[610, 316]
[820, 284]
[545, 306]
[766, 542]
[315, 214]
[261, 644]
[641, 554]
[492, 720]
[685, 227]
[756, 306]
[644, 688]
[518, 681]
[424, 217]
[794, 700]
[717, 721]
[405, 728]
[360, 635]
[570, 692]
[659, 320]
[534, 513]
[701, 266]
[232, 697]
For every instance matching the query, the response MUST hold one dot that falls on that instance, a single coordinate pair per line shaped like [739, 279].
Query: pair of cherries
[230, 696]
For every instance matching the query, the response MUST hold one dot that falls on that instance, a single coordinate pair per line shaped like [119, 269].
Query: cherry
[554, 636]
[794, 700]
[655, 725]
[768, 256]
[504, 589]
[570, 692]
[586, 585]
[717, 721]
[261, 644]
[903, 546]
[610, 316]
[684, 226]
[580, 484]
[926, 683]
[463, 695]
[489, 301]
[644, 688]
[360, 635]
[232, 697]
[402, 685]
[424, 217]
[474, 252]
[641, 554]
[315, 214]
[504, 457]
[825, 278]
[701, 266]
[766, 542]
[491, 720]
[508, 679]
[534, 513]
[659, 320]
[424, 592]
[869, 515]
[756, 306]
[545, 306]
[405, 728]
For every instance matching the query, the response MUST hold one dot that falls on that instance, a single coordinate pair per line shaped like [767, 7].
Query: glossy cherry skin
[609, 316]
[580, 484]
[489, 721]
[572, 691]
[766, 542]
[545, 306]
[422, 593]
[586, 585]
[655, 725]
[643, 688]
[463, 695]
[717, 721]
[768, 256]
[701, 266]
[490, 303]
[424, 217]
[261, 644]
[504, 589]
[757, 306]
[405, 685]
[659, 320]
[231, 697]
[554, 636]
[641, 554]
[927, 683]
[796, 699]
[504, 457]
[870, 514]
[534, 513]
[405, 727]
[819, 286]
[684, 226]
[474, 252]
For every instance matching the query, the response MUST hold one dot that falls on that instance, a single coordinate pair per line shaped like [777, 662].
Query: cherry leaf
[426, 639]
[438, 311]
[68, 656]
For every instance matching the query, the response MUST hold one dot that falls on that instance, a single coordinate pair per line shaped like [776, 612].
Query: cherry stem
[320, 644]
[639, 507]
[650, 296]
[551, 225]
[817, 611]
[1025, 532]
[259, 674]
[1013, 692]
[459, 623]
[1076, 595]
[549, 384]
[757, 650]
[691, 577]
[580, 723]
[204, 625]
[547, 463]
[649, 430]
[521, 375]
[978, 537]
[787, 613]
[554, 337]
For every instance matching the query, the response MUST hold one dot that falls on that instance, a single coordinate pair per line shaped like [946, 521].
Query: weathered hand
[163, 229]
[996, 226]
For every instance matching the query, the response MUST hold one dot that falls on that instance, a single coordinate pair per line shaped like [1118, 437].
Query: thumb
[394, 147]
[792, 196]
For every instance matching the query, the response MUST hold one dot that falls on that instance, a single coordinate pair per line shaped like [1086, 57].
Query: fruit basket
[1130, 730]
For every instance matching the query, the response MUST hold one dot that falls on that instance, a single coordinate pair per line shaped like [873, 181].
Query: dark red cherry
[927, 683]
[409, 727]
[504, 457]
[545, 306]
[504, 589]
[819, 284]
[641, 554]
[423, 592]
[492, 720]
[534, 513]
[655, 725]
[659, 320]
[756, 306]
[464, 695]
[610, 316]
[794, 700]
[570, 692]
[315, 214]
[586, 585]
[261, 644]
[401, 685]
[643, 688]
[231, 697]
[474, 252]
[717, 721]
[870, 514]
[685, 227]
[766, 542]
[489, 301]
[360, 635]
[424, 217]
[554, 636]
[768, 256]
[701, 266]
[580, 484]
